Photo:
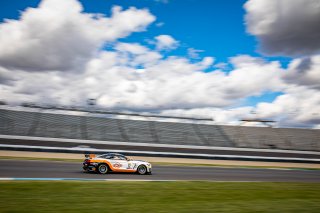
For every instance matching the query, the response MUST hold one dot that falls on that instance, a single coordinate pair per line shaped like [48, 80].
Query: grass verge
[158, 197]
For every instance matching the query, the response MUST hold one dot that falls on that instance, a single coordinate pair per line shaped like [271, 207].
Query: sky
[222, 59]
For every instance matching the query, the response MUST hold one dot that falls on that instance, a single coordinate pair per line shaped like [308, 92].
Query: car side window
[105, 156]
[118, 157]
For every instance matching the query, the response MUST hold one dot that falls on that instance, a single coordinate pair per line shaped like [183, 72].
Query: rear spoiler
[89, 156]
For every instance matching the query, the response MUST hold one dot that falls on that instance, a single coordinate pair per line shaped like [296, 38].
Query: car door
[119, 163]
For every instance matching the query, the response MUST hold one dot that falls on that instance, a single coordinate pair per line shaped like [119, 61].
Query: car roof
[112, 154]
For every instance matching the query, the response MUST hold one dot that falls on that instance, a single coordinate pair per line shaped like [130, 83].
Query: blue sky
[209, 28]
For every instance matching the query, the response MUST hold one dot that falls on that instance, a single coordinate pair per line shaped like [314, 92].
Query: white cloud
[254, 76]
[304, 71]
[134, 54]
[285, 27]
[168, 83]
[59, 36]
[132, 48]
[298, 106]
[159, 24]
[166, 42]
[218, 115]
[194, 53]
[221, 65]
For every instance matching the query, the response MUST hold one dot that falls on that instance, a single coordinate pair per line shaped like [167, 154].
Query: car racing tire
[142, 170]
[103, 169]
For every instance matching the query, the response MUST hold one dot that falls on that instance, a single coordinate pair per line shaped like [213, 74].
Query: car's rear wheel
[142, 170]
[102, 168]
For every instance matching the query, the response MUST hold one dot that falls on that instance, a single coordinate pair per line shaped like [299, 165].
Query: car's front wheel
[102, 168]
[142, 170]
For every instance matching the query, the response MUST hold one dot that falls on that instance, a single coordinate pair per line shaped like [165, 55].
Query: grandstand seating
[91, 127]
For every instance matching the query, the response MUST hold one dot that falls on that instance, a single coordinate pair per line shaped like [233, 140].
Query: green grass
[154, 197]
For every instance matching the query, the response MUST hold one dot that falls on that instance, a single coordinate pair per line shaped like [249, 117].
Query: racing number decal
[132, 166]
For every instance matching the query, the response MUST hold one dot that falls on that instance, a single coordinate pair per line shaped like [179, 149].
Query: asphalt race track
[55, 169]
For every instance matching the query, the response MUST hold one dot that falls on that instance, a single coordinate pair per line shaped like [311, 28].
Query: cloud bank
[52, 56]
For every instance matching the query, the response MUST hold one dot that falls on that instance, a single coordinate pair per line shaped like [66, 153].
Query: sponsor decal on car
[117, 165]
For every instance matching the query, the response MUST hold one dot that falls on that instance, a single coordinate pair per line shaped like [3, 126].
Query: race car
[114, 162]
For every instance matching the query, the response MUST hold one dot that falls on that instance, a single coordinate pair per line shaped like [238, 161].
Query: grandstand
[92, 127]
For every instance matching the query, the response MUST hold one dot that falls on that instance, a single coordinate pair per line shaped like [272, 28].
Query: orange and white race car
[114, 162]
